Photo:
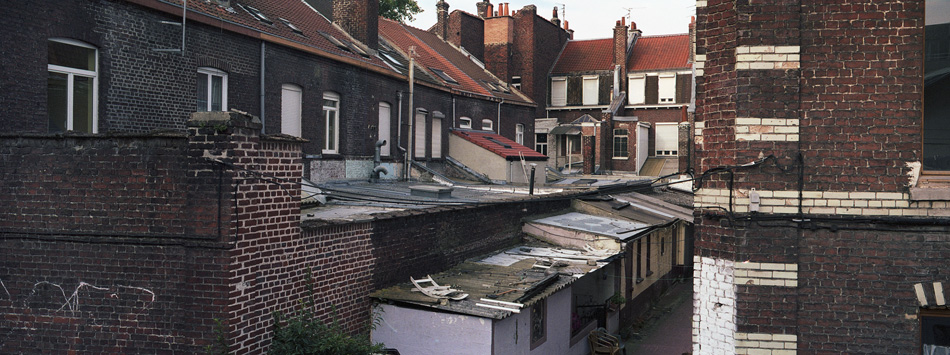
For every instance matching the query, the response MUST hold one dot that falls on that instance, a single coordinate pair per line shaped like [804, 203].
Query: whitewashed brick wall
[714, 306]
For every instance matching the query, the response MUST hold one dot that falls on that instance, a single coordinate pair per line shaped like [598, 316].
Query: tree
[399, 10]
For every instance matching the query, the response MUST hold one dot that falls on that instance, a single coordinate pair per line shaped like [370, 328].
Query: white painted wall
[714, 311]
[478, 158]
[422, 332]
[513, 334]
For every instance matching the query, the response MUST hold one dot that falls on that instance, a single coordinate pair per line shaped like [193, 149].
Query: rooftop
[660, 52]
[501, 146]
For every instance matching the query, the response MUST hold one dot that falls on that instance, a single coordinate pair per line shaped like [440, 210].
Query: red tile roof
[434, 53]
[586, 55]
[659, 52]
[499, 145]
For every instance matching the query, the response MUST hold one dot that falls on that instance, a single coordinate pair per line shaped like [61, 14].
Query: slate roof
[433, 54]
[586, 56]
[660, 52]
[501, 146]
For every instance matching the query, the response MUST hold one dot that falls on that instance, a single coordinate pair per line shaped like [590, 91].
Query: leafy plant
[618, 299]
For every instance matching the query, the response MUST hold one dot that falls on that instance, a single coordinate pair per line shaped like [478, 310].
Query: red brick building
[822, 203]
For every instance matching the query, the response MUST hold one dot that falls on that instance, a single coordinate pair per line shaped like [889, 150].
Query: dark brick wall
[468, 32]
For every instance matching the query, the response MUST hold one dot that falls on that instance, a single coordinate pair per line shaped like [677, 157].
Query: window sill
[931, 188]
[621, 158]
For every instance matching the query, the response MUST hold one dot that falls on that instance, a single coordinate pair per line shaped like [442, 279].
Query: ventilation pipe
[377, 160]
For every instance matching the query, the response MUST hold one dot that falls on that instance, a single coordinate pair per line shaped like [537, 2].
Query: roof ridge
[666, 35]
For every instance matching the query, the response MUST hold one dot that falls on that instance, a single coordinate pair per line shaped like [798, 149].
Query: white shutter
[384, 128]
[290, 101]
[667, 88]
[559, 92]
[591, 90]
[420, 133]
[436, 137]
[667, 139]
[637, 89]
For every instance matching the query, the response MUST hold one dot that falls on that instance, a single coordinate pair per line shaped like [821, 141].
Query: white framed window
[212, 89]
[519, 133]
[541, 143]
[591, 89]
[436, 143]
[384, 128]
[621, 142]
[331, 116]
[291, 99]
[558, 91]
[637, 88]
[72, 86]
[419, 150]
[465, 123]
[487, 125]
[516, 82]
[667, 88]
[667, 139]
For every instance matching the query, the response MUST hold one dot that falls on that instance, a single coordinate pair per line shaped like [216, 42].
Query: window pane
[56, 100]
[329, 103]
[936, 129]
[82, 104]
[217, 83]
[68, 55]
[331, 130]
[202, 92]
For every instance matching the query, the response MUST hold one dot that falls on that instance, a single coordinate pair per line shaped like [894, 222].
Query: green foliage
[399, 10]
[617, 298]
[301, 332]
[220, 344]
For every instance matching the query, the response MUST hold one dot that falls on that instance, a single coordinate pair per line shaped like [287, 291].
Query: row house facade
[629, 94]
[823, 223]
[338, 78]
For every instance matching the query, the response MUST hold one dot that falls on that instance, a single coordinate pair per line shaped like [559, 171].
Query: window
[649, 251]
[667, 88]
[591, 90]
[465, 123]
[559, 92]
[331, 116]
[487, 125]
[637, 87]
[667, 139]
[419, 148]
[290, 101]
[541, 143]
[935, 331]
[436, 135]
[516, 82]
[72, 86]
[444, 76]
[385, 121]
[538, 323]
[212, 90]
[621, 140]
[936, 125]
[519, 133]
[639, 261]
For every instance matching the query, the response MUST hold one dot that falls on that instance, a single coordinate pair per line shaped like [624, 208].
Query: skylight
[257, 14]
[443, 75]
[291, 26]
[335, 41]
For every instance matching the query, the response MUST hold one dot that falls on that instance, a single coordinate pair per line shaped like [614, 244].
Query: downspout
[399, 122]
[453, 111]
[412, 116]
[263, 121]
[498, 124]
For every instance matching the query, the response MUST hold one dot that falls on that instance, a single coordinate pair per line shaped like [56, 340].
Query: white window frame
[519, 134]
[516, 82]
[626, 145]
[559, 91]
[666, 87]
[539, 146]
[465, 123]
[212, 72]
[331, 118]
[488, 125]
[385, 128]
[591, 90]
[71, 74]
[637, 85]
[291, 109]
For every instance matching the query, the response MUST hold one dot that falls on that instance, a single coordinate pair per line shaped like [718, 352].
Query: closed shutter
[591, 89]
[290, 101]
[559, 92]
[637, 87]
[385, 118]
[667, 139]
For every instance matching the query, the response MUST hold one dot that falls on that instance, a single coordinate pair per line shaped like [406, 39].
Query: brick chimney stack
[442, 19]
[620, 47]
[556, 21]
[485, 9]
[359, 18]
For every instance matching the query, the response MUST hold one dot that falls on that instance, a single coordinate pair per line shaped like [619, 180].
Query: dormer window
[487, 125]
[465, 123]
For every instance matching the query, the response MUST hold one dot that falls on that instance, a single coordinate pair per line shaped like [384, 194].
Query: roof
[586, 56]
[447, 63]
[615, 228]
[507, 276]
[288, 21]
[642, 208]
[659, 52]
[499, 145]
[585, 118]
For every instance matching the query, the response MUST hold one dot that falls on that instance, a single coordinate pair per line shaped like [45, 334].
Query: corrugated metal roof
[615, 228]
[660, 52]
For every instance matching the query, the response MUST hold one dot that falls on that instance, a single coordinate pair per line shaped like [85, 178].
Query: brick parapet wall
[824, 203]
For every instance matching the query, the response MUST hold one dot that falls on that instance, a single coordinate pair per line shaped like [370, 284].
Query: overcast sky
[589, 18]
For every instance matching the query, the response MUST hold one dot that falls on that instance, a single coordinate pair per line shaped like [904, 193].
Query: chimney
[620, 53]
[359, 18]
[570, 32]
[442, 19]
[556, 21]
[484, 9]
[692, 38]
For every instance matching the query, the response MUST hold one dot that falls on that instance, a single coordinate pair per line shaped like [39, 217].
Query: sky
[589, 19]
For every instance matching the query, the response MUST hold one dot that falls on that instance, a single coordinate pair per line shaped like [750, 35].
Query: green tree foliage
[399, 10]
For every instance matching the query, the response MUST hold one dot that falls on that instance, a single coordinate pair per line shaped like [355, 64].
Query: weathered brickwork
[714, 304]
[817, 107]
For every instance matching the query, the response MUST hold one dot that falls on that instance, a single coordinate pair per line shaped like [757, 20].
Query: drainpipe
[498, 124]
[412, 116]
[263, 125]
[399, 122]
[453, 111]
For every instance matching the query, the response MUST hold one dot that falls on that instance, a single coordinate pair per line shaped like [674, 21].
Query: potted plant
[616, 301]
